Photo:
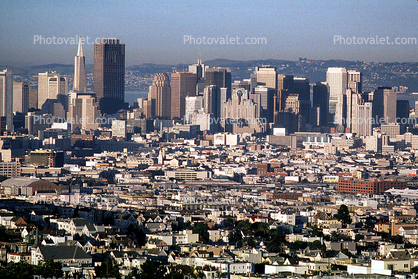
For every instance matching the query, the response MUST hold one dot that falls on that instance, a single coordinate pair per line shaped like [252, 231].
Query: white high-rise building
[52, 86]
[83, 111]
[119, 128]
[193, 104]
[362, 124]
[80, 84]
[354, 100]
[354, 81]
[266, 76]
[6, 97]
[337, 82]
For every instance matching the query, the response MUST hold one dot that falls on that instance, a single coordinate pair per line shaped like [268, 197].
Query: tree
[202, 229]
[358, 237]
[21, 270]
[135, 231]
[235, 237]
[246, 225]
[229, 221]
[260, 229]
[276, 243]
[398, 239]
[343, 214]
[250, 242]
[152, 270]
[335, 236]
[107, 269]
[174, 275]
[50, 269]
[297, 245]
[346, 252]
[316, 231]
[315, 245]
[187, 226]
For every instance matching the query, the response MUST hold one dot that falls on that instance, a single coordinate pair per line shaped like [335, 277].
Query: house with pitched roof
[67, 255]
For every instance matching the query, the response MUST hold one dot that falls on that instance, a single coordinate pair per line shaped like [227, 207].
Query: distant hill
[62, 69]
[374, 74]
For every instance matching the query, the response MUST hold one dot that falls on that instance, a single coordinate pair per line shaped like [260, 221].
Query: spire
[36, 243]
[80, 48]
[79, 84]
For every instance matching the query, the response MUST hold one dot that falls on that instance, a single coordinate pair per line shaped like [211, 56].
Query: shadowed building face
[109, 75]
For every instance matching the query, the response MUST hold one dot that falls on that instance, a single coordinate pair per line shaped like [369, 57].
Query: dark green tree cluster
[200, 228]
[276, 243]
[108, 269]
[343, 215]
[23, 270]
[154, 270]
[135, 232]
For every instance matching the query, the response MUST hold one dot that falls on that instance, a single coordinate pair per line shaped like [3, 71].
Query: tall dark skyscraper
[220, 77]
[109, 75]
[402, 110]
[320, 99]
[284, 88]
[384, 105]
[182, 84]
[211, 95]
[301, 86]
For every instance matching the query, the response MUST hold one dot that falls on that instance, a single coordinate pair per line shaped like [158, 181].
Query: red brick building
[269, 169]
[372, 186]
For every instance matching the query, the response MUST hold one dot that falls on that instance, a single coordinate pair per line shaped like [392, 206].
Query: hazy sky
[153, 31]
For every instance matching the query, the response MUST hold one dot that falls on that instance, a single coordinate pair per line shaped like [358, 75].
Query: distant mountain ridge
[374, 74]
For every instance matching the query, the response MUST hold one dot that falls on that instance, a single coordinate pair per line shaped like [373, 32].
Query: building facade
[20, 97]
[182, 84]
[371, 186]
[159, 97]
[6, 98]
[109, 75]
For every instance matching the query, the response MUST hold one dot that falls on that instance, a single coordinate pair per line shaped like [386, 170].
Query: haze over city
[154, 31]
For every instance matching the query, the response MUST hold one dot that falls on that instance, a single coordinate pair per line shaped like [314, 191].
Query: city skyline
[162, 35]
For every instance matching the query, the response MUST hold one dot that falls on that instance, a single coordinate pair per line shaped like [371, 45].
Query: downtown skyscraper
[83, 108]
[159, 97]
[384, 105]
[6, 99]
[220, 77]
[337, 83]
[109, 75]
[20, 96]
[183, 84]
[80, 71]
[53, 93]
